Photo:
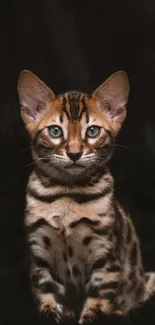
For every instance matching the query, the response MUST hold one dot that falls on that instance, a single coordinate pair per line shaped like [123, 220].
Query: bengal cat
[84, 251]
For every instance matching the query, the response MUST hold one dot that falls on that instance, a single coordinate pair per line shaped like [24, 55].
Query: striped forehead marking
[74, 106]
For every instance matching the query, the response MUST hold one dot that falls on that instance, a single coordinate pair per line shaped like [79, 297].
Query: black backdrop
[75, 45]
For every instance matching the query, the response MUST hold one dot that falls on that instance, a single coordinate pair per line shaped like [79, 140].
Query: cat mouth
[74, 166]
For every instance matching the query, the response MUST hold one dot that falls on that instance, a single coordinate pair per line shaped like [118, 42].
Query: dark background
[75, 45]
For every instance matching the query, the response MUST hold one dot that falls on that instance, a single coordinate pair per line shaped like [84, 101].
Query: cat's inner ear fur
[34, 96]
[112, 97]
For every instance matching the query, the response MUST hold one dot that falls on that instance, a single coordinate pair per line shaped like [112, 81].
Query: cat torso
[79, 229]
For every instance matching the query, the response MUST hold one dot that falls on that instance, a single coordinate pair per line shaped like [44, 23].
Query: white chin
[74, 170]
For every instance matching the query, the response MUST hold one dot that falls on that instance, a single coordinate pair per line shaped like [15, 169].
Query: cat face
[72, 132]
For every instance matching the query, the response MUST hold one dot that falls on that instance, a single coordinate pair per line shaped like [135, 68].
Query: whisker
[38, 159]
[122, 146]
[28, 148]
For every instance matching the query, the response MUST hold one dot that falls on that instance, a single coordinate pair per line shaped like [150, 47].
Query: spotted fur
[85, 254]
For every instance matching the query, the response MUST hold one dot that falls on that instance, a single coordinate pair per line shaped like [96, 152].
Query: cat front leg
[48, 293]
[47, 285]
[101, 288]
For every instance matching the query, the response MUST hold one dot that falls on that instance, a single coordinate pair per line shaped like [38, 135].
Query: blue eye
[55, 131]
[93, 131]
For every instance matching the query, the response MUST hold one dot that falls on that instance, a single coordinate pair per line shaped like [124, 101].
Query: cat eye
[93, 131]
[55, 131]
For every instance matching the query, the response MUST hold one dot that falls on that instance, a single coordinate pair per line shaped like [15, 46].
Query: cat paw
[91, 309]
[88, 317]
[52, 308]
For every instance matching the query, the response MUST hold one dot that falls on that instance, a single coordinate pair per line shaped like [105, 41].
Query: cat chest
[70, 236]
[71, 251]
[63, 213]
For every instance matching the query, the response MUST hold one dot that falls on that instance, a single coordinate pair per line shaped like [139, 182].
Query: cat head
[73, 133]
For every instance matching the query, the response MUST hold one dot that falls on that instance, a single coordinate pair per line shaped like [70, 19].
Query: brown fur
[85, 254]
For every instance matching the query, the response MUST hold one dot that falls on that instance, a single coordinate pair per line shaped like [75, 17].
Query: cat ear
[112, 97]
[34, 96]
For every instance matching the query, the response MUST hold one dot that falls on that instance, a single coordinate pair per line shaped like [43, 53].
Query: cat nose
[74, 155]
